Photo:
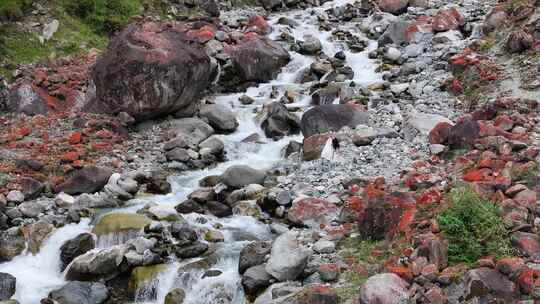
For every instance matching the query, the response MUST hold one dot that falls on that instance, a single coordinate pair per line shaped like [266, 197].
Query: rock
[7, 286]
[12, 243]
[486, 281]
[49, 29]
[256, 279]
[324, 246]
[464, 134]
[213, 143]
[247, 208]
[190, 251]
[392, 54]
[527, 243]
[278, 122]
[156, 182]
[313, 146]
[149, 70]
[37, 233]
[163, 213]
[219, 117]
[449, 37]
[80, 293]
[287, 258]
[496, 19]
[75, 247]
[258, 60]
[239, 176]
[329, 272]
[292, 147]
[326, 95]
[396, 33]
[193, 131]
[89, 179]
[447, 19]
[310, 46]
[424, 123]
[312, 212]
[253, 254]
[325, 118]
[395, 7]
[175, 296]
[15, 196]
[178, 154]
[63, 200]
[399, 88]
[23, 99]
[118, 222]
[385, 288]
[246, 100]
[218, 209]
[97, 264]
[189, 206]
[214, 236]
[519, 41]
[31, 209]
[31, 188]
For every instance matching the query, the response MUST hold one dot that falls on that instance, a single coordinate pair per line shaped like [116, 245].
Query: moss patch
[116, 222]
[143, 274]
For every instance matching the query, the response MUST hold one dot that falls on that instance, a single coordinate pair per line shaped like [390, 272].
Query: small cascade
[156, 288]
[117, 238]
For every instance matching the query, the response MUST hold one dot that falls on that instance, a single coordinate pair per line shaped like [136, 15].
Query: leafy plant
[473, 228]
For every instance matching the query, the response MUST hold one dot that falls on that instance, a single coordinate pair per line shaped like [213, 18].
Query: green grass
[103, 16]
[12, 10]
[474, 229]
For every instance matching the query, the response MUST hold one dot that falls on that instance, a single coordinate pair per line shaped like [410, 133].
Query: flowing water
[38, 275]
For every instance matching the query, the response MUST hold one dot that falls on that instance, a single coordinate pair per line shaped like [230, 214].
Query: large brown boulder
[254, 61]
[149, 70]
[89, 179]
[333, 117]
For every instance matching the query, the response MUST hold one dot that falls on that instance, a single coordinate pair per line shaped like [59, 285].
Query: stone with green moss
[117, 222]
[144, 274]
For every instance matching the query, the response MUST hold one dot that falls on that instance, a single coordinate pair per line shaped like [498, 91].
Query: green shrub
[473, 228]
[104, 16]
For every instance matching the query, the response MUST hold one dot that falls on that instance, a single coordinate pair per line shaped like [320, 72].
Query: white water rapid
[38, 275]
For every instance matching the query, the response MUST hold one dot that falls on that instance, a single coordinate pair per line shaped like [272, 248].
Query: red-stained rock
[510, 266]
[314, 145]
[429, 196]
[312, 212]
[495, 20]
[529, 280]
[104, 134]
[403, 272]
[440, 133]
[526, 197]
[258, 24]
[527, 244]
[478, 175]
[75, 137]
[464, 133]
[504, 122]
[435, 295]
[70, 156]
[352, 209]
[447, 19]
[485, 262]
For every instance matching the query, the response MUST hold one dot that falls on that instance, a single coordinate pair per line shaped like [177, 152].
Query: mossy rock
[116, 222]
[144, 274]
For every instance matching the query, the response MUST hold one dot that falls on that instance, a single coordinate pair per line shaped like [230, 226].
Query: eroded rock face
[325, 118]
[149, 70]
[7, 286]
[12, 243]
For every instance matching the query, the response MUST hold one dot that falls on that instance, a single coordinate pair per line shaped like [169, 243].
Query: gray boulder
[278, 121]
[80, 293]
[288, 257]
[310, 46]
[256, 279]
[485, 281]
[325, 118]
[100, 264]
[240, 175]
[219, 117]
[89, 179]
[192, 130]
[75, 247]
[12, 243]
[253, 254]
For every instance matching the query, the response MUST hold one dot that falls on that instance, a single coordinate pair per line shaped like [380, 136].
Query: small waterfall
[118, 238]
[156, 288]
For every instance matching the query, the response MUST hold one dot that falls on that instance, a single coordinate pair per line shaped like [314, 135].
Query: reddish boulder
[312, 212]
[386, 288]
[529, 280]
[90, 179]
[494, 20]
[439, 134]
[149, 70]
[395, 7]
[464, 133]
[484, 281]
[509, 266]
[314, 145]
[527, 244]
[447, 19]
